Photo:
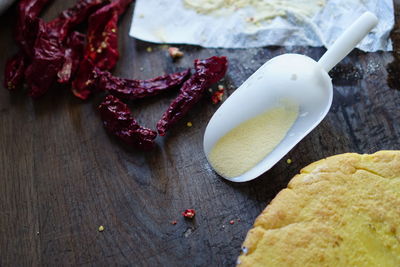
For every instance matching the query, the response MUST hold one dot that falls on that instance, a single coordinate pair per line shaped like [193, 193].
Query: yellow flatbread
[339, 211]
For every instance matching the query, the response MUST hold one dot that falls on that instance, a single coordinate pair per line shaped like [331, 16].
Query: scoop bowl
[289, 78]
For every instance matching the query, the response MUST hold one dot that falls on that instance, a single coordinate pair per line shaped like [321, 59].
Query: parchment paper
[169, 21]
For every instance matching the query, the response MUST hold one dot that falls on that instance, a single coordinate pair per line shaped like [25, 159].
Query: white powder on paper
[258, 23]
[264, 9]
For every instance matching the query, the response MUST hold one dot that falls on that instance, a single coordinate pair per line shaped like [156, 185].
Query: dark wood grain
[61, 175]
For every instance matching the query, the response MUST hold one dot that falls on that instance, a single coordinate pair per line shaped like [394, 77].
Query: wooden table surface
[62, 175]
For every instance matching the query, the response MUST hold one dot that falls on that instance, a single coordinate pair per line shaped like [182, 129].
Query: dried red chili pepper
[48, 59]
[27, 23]
[31, 8]
[102, 46]
[136, 89]
[25, 35]
[14, 71]
[73, 55]
[118, 121]
[49, 49]
[70, 18]
[60, 28]
[189, 213]
[207, 72]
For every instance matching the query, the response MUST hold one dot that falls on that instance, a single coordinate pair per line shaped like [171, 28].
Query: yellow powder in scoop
[246, 145]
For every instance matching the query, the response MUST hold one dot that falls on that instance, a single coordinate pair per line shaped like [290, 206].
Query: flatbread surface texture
[340, 211]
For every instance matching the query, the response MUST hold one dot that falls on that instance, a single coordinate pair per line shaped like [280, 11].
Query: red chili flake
[207, 72]
[189, 213]
[136, 89]
[102, 46]
[118, 121]
[174, 222]
[231, 221]
[217, 95]
[175, 53]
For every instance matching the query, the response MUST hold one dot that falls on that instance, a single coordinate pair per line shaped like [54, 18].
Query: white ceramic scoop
[289, 77]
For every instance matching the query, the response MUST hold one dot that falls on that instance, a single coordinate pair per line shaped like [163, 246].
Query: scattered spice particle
[101, 228]
[189, 124]
[288, 161]
[217, 96]
[189, 213]
[149, 49]
[175, 53]
[231, 221]
[250, 19]
[174, 222]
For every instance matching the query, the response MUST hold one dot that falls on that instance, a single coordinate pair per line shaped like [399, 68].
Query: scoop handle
[348, 40]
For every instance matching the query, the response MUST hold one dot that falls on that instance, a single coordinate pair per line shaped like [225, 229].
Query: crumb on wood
[175, 53]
